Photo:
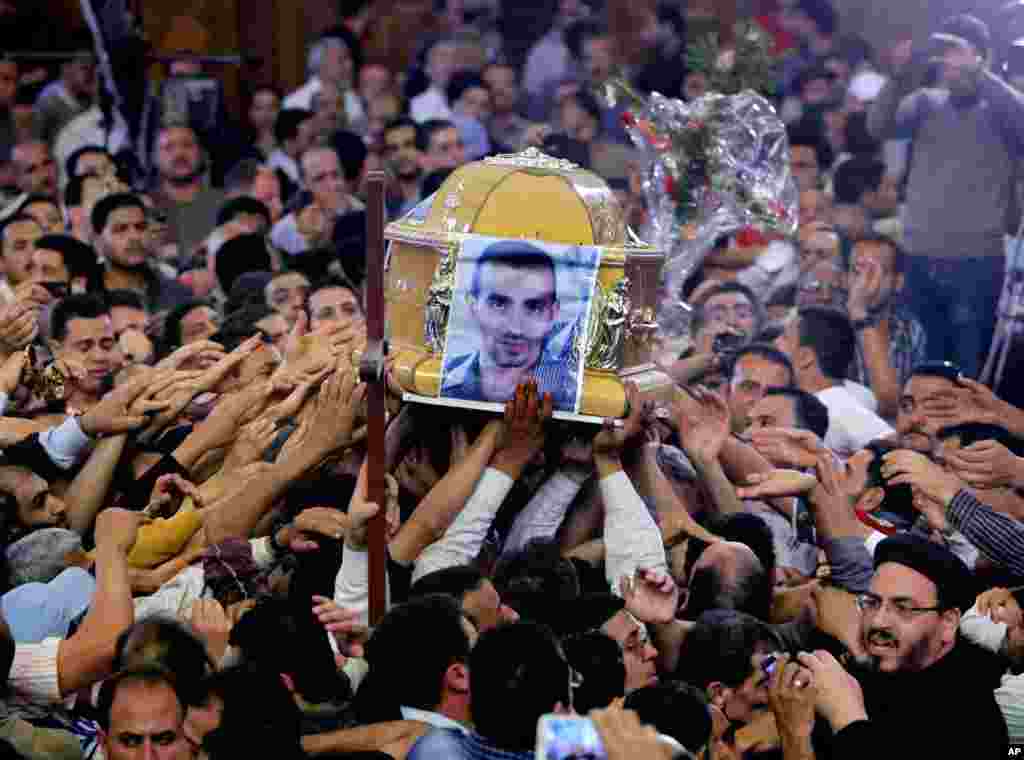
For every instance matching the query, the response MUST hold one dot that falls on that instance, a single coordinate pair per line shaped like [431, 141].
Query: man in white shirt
[821, 344]
[433, 103]
[330, 59]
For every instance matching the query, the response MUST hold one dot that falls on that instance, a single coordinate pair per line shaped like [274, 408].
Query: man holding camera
[966, 136]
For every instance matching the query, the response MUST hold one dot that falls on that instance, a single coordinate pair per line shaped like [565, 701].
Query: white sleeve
[545, 512]
[65, 444]
[982, 630]
[286, 237]
[632, 540]
[262, 554]
[352, 584]
[34, 673]
[461, 543]
[4, 399]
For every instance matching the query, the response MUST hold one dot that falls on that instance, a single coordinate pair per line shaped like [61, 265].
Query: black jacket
[947, 710]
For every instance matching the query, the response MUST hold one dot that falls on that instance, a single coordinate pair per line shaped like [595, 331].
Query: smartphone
[568, 737]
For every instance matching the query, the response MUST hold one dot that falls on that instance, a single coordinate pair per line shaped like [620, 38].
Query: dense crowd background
[813, 552]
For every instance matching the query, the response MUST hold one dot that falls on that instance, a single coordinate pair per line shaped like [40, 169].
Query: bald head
[728, 575]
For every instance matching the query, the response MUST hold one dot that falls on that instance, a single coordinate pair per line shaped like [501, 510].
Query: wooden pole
[371, 371]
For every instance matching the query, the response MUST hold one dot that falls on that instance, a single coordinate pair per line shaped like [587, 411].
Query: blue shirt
[448, 744]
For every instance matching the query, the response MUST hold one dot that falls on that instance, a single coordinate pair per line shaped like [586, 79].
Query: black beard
[187, 179]
[134, 268]
[410, 176]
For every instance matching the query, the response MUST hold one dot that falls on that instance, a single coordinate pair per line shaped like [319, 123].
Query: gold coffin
[528, 196]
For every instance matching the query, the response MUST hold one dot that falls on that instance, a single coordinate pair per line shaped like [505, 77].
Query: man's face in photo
[515, 308]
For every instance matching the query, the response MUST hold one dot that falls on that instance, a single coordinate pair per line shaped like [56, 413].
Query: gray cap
[39, 557]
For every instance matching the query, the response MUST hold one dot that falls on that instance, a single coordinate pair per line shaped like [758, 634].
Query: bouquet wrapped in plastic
[710, 168]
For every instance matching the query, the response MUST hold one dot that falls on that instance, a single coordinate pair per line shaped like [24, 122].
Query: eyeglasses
[870, 604]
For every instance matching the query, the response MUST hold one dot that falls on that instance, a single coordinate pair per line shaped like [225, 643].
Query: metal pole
[372, 373]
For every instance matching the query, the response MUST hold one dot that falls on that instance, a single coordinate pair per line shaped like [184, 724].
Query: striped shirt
[998, 537]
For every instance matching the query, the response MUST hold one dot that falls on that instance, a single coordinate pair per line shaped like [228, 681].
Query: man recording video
[966, 135]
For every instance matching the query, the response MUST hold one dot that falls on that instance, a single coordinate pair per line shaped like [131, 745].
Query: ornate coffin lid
[527, 195]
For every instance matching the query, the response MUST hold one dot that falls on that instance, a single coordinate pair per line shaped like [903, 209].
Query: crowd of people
[813, 552]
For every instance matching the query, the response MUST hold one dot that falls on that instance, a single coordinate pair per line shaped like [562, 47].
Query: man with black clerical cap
[921, 689]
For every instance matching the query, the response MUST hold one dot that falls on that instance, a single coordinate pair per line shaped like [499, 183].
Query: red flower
[750, 237]
[628, 119]
[670, 185]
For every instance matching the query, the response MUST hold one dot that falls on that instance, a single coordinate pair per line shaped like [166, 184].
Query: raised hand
[1002, 607]
[651, 596]
[11, 372]
[866, 294]
[704, 428]
[625, 738]
[526, 415]
[343, 624]
[987, 464]
[211, 623]
[117, 529]
[129, 406]
[777, 484]
[163, 493]
[838, 696]
[611, 440]
[300, 535]
[338, 406]
[251, 444]
[922, 474]
[792, 695]
[19, 325]
[200, 354]
[786, 447]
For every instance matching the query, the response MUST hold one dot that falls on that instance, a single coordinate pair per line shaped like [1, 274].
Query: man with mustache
[920, 685]
[120, 226]
[515, 307]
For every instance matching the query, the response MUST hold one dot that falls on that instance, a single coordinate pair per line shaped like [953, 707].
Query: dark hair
[517, 254]
[172, 323]
[240, 324]
[720, 645]
[71, 163]
[335, 281]
[404, 121]
[722, 289]
[307, 658]
[589, 103]
[242, 205]
[810, 413]
[428, 129]
[517, 673]
[286, 125]
[898, 499]
[857, 176]
[538, 570]
[462, 81]
[433, 181]
[146, 674]
[598, 658]
[945, 370]
[765, 351]
[972, 29]
[675, 709]
[125, 298]
[352, 152]
[580, 31]
[14, 219]
[79, 259]
[73, 191]
[108, 204]
[859, 140]
[975, 432]
[418, 670]
[37, 198]
[245, 253]
[809, 134]
[165, 643]
[85, 306]
[750, 591]
[240, 177]
[455, 581]
[830, 335]
[899, 256]
[259, 719]
[750, 529]
[821, 13]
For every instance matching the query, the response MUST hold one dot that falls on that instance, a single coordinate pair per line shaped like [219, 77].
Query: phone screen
[568, 737]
